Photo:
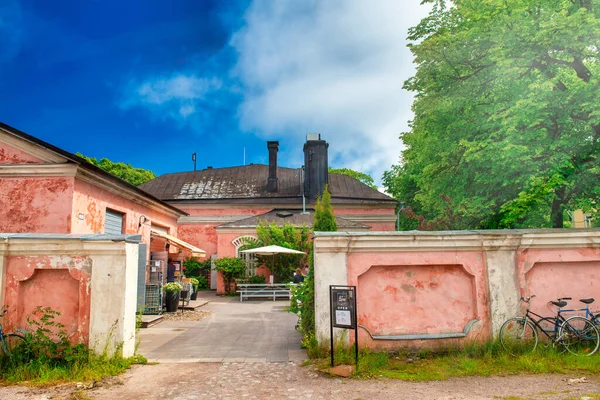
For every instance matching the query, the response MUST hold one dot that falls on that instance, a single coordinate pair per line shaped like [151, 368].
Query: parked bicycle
[8, 341]
[575, 334]
[589, 314]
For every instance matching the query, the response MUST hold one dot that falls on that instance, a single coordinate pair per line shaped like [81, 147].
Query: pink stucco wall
[40, 205]
[340, 210]
[225, 211]
[12, 155]
[89, 209]
[552, 273]
[203, 236]
[346, 212]
[381, 226]
[417, 293]
[59, 282]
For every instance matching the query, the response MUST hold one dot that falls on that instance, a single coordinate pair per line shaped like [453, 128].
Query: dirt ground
[291, 381]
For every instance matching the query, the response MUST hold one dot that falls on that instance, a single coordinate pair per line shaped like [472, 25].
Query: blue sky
[151, 82]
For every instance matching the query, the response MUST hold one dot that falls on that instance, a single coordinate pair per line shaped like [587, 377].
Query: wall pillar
[503, 284]
[330, 269]
[114, 300]
[3, 251]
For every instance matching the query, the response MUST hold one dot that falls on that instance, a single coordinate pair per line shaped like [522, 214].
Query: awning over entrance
[196, 252]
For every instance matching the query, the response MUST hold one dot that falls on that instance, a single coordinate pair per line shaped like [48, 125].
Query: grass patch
[43, 371]
[46, 356]
[474, 360]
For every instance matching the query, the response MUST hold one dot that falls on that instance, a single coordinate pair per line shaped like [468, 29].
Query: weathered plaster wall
[552, 273]
[380, 226]
[114, 301]
[41, 205]
[379, 219]
[92, 283]
[203, 236]
[59, 282]
[12, 155]
[89, 210]
[219, 211]
[427, 284]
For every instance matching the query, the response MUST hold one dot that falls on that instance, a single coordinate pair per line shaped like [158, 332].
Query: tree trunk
[556, 214]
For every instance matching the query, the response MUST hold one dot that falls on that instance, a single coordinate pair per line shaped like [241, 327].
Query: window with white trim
[249, 259]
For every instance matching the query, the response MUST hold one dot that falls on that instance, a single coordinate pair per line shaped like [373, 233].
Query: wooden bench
[263, 290]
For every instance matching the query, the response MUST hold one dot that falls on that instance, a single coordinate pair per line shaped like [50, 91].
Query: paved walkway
[249, 331]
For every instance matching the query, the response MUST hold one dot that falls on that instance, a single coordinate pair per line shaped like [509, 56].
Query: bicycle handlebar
[527, 299]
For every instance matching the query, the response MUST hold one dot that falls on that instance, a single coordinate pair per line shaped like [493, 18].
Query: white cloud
[175, 96]
[331, 67]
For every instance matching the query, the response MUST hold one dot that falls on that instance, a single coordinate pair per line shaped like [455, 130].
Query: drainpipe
[398, 216]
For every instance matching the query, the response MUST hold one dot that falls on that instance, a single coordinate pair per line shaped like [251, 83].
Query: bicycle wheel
[518, 337]
[9, 341]
[579, 336]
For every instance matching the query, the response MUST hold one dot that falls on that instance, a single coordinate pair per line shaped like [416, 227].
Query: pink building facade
[225, 204]
[47, 190]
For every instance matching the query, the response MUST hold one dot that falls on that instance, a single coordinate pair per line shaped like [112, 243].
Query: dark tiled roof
[248, 183]
[294, 217]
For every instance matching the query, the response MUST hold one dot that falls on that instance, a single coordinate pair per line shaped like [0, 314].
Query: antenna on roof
[194, 160]
[244, 156]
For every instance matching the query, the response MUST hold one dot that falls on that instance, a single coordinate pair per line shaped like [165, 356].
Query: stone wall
[424, 289]
[90, 279]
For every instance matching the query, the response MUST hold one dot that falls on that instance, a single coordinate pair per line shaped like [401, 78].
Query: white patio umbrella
[272, 250]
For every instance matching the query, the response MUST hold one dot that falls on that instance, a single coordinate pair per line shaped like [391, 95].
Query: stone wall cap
[64, 236]
[482, 232]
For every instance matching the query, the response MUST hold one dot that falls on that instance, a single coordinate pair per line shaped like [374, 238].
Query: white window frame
[249, 259]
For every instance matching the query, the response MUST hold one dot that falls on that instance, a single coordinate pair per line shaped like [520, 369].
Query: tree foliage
[507, 122]
[231, 268]
[324, 220]
[359, 176]
[282, 265]
[135, 176]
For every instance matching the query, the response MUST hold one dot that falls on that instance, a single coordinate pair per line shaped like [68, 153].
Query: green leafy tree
[507, 122]
[359, 176]
[231, 268]
[135, 176]
[324, 218]
[282, 265]
[324, 221]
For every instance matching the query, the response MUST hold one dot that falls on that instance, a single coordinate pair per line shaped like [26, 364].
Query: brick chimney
[273, 182]
[316, 165]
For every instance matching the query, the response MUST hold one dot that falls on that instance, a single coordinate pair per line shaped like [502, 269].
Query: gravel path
[288, 380]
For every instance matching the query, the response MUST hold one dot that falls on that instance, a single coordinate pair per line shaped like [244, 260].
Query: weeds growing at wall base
[486, 359]
[47, 356]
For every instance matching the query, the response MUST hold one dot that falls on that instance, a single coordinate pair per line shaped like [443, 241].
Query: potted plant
[195, 283]
[172, 290]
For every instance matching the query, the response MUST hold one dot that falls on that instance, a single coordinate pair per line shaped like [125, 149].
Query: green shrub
[47, 356]
[194, 267]
[231, 268]
[256, 279]
[202, 282]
